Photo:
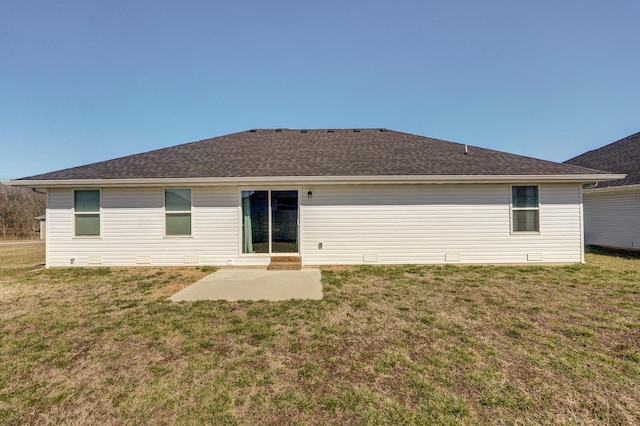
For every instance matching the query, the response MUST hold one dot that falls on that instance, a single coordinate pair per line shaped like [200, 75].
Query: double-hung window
[177, 206]
[525, 209]
[86, 210]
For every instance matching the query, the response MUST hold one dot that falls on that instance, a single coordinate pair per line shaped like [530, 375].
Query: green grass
[386, 345]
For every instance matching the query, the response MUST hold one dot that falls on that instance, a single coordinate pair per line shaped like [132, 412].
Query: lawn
[386, 345]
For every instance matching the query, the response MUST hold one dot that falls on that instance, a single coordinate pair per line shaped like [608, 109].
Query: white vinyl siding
[354, 224]
[612, 218]
[436, 224]
[133, 230]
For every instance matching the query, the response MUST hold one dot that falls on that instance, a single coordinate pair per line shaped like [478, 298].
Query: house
[323, 196]
[612, 208]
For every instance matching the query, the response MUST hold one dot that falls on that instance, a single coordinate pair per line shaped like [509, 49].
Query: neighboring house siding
[612, 218]
[436, 224]
[356, 224]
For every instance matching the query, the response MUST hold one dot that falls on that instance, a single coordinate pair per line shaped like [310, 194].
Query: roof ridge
[318, 129]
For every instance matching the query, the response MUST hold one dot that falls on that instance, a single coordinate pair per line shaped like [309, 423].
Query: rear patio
[253, 285]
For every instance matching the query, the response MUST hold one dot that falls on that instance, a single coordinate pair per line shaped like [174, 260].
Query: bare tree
[18, 209]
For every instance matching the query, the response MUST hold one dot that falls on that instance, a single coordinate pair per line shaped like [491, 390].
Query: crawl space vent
[534, 257]
[370, 258]
[452, 257]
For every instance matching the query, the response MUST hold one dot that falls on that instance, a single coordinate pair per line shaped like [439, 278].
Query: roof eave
[298, 180]
[618, 188]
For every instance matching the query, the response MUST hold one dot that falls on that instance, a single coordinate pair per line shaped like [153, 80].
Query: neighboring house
[612, 209]
[359, 196]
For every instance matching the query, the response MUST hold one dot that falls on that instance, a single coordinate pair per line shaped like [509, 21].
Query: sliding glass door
[270, 222]
[255, 222]
[284, 221]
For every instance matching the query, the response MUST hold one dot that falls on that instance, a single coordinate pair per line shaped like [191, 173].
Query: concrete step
[285, 263]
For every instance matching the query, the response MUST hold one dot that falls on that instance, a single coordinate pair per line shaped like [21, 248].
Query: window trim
[177, 212]
[92, 213]
[512, 208]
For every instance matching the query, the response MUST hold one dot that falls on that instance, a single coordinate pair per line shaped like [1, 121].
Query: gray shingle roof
[340, 152]
[622, 156]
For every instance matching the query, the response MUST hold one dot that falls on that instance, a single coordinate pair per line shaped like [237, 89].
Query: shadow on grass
[617, 252]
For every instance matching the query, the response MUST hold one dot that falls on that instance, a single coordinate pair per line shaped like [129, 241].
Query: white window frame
[76, 214]
[512, 208]
[168, 213]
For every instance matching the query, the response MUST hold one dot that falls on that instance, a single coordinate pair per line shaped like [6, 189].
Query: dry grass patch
[401, 345]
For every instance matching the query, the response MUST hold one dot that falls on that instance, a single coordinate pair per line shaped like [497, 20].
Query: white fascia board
[330, 180]
[621, 188]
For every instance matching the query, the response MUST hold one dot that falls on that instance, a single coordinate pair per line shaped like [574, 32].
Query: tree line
[19, 208]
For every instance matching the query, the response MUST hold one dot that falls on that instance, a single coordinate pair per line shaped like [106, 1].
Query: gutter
[620, 188]
[329, 180]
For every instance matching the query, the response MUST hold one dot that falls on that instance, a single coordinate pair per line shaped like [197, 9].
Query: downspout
[47, 227]
[582, 240]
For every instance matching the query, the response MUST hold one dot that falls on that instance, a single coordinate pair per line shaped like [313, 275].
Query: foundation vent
[452, 257]
[534, 257]
[191, 260]
[370, 258]
[143, 260]
[94, 260]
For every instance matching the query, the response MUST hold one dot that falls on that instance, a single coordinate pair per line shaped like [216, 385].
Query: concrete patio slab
[254, 284]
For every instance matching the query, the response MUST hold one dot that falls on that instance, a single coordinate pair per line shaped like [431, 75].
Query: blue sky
[85, 81]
